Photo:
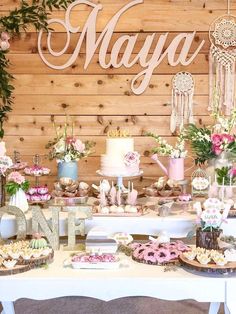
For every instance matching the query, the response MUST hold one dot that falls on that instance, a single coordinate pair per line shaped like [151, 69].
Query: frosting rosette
[132, 158]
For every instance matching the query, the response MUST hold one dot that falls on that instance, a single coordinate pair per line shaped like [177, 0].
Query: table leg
[214, 308]
[226, 309]
[8, 307]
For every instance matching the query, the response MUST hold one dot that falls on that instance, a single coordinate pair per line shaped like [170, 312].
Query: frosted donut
[174, 254]
[149, 256]
[134, 245]
[162, 255]
[139, 253]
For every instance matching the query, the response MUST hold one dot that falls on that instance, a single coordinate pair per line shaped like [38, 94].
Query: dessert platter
[69, 192]
[100, 252]
[163, 188]
[210, 261]
[156, 253]
[38, 194]
[21, 256]
[93, 261]
[113, 202]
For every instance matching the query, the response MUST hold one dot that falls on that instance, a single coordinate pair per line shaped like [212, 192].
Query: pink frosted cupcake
[45, 197]
[32, 190]
[42, 190]
[36, 198]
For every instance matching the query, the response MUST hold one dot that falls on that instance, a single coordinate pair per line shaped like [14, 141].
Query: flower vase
[207, 239]
[176, 169]
[68, 170]
[19, 200]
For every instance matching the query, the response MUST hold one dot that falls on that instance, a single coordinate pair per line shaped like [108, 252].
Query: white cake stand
[119, 182]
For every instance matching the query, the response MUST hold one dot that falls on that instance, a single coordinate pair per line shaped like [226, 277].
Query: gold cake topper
[118, 133]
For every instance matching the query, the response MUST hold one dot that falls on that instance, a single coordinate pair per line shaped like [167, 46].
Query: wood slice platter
[230, 267]
[171, 262]
[26, 265]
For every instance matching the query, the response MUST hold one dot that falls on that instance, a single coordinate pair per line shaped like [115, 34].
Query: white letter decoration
[182, 101]
[117, 59]
[222, 34]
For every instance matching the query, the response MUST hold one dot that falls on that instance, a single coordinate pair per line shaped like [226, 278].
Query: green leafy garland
[35, 13]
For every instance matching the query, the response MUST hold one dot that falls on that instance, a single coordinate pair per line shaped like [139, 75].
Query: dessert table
[131, 279]
[177, 225]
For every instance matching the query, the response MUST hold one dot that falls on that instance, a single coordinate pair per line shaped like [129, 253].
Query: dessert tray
[159, 254]
[141, 210]
[93, 261]
[208, 261]
[18, 257]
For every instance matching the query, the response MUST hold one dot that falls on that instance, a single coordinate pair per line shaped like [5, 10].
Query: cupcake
[42, 190]
[38, 242]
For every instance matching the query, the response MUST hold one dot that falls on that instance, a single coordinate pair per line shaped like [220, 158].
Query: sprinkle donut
[162, 256]
[149, 256]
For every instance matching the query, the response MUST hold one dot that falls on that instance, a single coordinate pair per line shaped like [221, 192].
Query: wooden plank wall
[100, 100]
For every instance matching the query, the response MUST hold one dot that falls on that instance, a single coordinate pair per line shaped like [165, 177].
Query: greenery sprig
[34, 13]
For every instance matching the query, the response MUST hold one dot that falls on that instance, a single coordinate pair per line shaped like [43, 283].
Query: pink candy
[94, 258]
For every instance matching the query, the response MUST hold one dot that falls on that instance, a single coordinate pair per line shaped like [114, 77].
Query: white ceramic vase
[19, 200]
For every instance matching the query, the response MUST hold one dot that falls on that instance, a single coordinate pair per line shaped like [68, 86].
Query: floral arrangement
[67, 147]
[212, 217]
[165, 149]
[132, 158]
[209, 142]
[16, 181]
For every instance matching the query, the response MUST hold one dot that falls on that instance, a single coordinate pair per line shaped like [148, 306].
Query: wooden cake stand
[26, 265]
[230, 267]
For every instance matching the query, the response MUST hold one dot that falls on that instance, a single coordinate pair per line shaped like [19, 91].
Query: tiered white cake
[120, 158]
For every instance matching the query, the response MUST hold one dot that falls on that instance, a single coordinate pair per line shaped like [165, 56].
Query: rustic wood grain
[98, 99]
[101, 105]
[97, 84]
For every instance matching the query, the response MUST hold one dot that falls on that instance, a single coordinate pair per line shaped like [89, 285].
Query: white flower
[60, 146]
[67, 158]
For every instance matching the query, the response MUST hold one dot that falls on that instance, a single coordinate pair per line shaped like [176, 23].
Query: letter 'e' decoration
[88, 35]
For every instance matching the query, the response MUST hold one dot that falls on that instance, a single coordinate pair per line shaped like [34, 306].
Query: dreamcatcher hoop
[222, 61]
[182, 100]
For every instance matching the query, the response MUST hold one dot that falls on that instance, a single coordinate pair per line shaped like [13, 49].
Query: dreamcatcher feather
[222, 58]
[182, 101]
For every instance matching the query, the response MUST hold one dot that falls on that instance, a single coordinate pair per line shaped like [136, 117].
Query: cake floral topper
[118, 133]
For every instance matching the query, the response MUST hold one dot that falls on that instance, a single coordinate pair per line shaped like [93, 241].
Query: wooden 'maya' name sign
[88, 33]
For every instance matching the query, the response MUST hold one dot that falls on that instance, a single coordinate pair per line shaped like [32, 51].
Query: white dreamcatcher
[222, 58]
[182, 101]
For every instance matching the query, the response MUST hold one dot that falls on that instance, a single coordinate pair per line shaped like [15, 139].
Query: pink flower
[217, 150]
[79, 146]
[132, 158]
[232, 172]
[16, 177]
[228, 138]
[70, 140]
[5, 36]
[216, 139]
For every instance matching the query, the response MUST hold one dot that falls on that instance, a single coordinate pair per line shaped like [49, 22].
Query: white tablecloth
[177, 225]
[132, 279]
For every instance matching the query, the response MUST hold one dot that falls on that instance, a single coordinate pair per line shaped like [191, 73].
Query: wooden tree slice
[26, 265]
[230, 267]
